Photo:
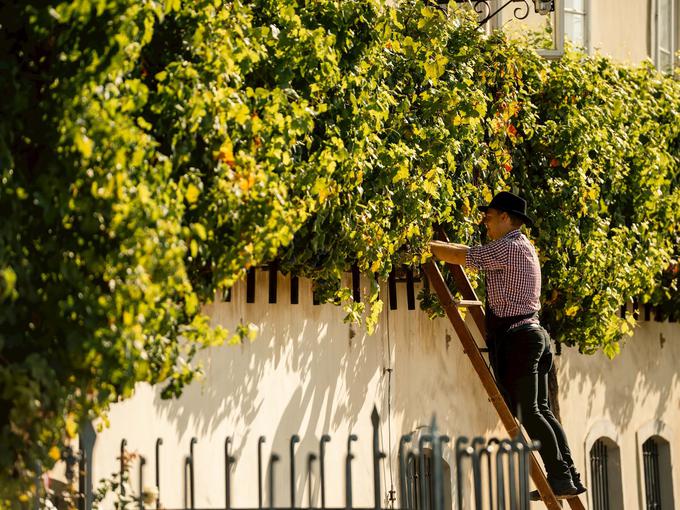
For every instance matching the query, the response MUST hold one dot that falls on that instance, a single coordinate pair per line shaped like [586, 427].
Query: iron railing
[498, 468]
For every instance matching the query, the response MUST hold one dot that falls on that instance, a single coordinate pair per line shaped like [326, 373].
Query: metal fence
[488, 474]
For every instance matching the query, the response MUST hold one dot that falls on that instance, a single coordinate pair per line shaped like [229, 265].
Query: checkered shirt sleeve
[494, 255]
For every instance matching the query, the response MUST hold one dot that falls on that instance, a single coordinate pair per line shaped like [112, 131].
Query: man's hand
[449, 252]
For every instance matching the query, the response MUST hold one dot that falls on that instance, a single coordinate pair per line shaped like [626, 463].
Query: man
[519, 348]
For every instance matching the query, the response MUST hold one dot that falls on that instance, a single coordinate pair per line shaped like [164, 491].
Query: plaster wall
[620, 28]
[631, 397]
[308, 373]
[617, 28]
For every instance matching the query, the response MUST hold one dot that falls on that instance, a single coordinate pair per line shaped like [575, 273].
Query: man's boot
[562, 488]
[576, 480]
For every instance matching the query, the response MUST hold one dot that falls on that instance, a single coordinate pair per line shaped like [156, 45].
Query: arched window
[605, 475]
[658, 481]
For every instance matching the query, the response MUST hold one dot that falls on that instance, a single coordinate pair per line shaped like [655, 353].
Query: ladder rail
[487, 379]
[463, 284]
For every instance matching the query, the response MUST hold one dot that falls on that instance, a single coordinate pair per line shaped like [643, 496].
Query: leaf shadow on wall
[277, 385]
[620, 389]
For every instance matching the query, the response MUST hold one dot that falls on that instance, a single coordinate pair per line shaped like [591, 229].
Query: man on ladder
[519, 348]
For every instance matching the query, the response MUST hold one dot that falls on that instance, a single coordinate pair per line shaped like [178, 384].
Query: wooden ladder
[451, 307]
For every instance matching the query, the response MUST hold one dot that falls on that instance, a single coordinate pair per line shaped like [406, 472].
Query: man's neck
[507, 232]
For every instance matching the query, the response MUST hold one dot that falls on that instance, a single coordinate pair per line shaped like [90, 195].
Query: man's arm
[449, 252]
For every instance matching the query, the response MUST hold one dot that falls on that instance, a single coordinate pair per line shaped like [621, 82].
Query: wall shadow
[646, 370]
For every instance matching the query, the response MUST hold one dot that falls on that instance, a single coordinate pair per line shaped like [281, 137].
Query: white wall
[309, 373]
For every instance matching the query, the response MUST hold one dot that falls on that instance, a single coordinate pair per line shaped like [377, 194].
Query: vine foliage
[152, 151]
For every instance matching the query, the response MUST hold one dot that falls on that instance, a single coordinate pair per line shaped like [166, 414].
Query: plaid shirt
[513, 275]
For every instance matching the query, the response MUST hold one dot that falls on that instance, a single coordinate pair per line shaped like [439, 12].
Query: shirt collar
[513, 234]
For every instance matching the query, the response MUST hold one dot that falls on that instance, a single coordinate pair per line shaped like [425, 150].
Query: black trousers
[522, 362]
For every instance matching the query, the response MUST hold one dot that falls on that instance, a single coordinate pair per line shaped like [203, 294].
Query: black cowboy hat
[510, 203]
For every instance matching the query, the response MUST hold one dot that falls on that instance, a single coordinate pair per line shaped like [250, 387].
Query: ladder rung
[467, 303]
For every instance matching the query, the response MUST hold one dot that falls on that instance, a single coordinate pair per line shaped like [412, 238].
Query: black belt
[524, 327]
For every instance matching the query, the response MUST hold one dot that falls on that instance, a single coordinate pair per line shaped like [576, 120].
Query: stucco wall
[631, 394]
[620, 28]
[617, 28]
[309, 373]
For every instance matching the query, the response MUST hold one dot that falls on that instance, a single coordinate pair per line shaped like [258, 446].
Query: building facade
[309, 373]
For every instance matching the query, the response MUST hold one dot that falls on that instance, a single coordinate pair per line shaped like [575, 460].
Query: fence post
[273, 460]
[489, 468]
[506, 445]
[442, 439]
[518, 452]
[500, 477]
[187, 462]
[531, 446]
[411, 489]
[477, 442]
[377, 457]
[421, 458]
[348, 472]
[310, 460]
[142, 461]
[228, 461]
[403, 499]
[460, 443]
[322, 453]
[123, 444]
[260, 441]
[438, 502]
[159, 442]
[293, 439]
[192, 500]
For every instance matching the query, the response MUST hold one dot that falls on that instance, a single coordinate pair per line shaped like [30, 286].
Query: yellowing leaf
[572, 310]
[321, 188]
[226, 153]
[54, 453]
[192, 193]
[486, 193]
[200, 231]
[241, 114]
[84, 145]
[172, 5]
[71, 426]
[401, 174]
[434, 69]
[191, 303]
[430, 188]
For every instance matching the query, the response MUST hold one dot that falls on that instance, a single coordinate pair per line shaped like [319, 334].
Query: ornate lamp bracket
[520, 8]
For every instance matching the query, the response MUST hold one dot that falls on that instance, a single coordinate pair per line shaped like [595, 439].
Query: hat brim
[527, 220]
